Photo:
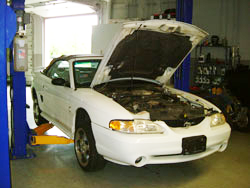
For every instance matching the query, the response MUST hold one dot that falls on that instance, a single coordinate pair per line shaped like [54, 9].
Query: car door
[57, 97]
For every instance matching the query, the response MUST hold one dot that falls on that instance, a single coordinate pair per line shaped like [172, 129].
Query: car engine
[137, 96]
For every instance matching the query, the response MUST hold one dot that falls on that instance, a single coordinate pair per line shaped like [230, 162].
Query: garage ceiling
[56, 8]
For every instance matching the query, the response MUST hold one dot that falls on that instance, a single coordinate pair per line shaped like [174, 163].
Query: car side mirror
[58, 81]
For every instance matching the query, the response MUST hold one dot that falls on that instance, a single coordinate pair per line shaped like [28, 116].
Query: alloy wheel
[82, 147]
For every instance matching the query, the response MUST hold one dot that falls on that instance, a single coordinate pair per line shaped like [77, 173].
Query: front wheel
[85, 149]
[37, 113]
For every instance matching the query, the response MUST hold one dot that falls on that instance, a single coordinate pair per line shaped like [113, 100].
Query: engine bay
[137, 96]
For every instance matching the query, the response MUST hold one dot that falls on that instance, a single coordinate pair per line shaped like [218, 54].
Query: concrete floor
[56, 166]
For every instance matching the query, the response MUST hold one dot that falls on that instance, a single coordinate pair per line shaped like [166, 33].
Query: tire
[244, 125]
[85, 149]
[39, 120]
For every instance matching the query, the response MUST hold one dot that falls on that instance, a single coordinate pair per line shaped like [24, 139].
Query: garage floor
[56, 166]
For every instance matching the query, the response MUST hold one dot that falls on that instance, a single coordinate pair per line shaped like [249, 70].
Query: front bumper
[141, 149]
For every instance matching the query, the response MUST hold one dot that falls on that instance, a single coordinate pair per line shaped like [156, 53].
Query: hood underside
[151, 49]
[147, 54]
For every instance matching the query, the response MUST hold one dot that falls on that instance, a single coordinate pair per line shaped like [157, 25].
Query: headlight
[136, 126]
[217, 119]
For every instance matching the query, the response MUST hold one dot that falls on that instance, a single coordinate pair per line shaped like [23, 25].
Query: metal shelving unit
[210, 72]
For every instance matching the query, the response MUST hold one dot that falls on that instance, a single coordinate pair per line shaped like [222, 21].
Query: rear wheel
[85, 149]
[37, 113]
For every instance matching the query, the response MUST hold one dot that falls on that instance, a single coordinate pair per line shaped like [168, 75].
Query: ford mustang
[119, 108]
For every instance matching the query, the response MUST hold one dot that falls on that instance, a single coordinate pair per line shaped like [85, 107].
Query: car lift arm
[40, 138]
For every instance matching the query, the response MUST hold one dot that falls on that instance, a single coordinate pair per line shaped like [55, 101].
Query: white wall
[38, 42]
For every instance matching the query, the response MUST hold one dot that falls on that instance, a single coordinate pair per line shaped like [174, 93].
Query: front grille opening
[184, 122]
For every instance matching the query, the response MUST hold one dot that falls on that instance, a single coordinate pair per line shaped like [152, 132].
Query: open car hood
[151, 49]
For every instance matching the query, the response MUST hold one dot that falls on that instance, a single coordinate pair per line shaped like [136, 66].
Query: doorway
[68, 35]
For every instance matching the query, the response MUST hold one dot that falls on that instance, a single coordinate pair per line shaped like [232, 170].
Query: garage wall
[38, 42]
[123, 9]
[244, 29]
[225, 18]
[35, 37]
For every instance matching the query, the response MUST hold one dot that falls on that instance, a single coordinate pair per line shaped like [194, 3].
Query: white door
[57, 96]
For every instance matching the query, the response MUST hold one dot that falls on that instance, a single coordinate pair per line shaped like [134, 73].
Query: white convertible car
[119, 108]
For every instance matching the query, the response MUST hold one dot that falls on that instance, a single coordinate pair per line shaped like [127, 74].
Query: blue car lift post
[184, 11]
[20, 127]
[4, 139]
[7, 33]
[21, 134]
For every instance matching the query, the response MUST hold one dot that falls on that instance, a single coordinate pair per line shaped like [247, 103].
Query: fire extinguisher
[20, 53]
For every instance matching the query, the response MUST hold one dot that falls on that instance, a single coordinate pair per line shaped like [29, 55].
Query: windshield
[84, 72]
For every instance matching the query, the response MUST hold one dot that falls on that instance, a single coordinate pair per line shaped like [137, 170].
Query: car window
[60, 69]
[84, 72]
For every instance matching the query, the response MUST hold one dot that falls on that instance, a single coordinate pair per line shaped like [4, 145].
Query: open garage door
[68, 35]
[58, 28]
